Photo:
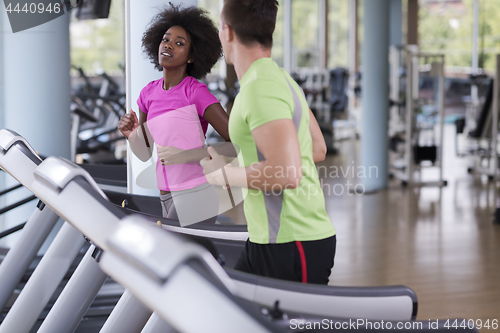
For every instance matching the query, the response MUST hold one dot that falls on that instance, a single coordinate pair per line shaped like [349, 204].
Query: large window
[98, 45]
[446, 26]
[338, 33]
[305, 33]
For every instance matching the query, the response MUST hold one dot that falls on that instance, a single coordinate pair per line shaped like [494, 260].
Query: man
[290, 235]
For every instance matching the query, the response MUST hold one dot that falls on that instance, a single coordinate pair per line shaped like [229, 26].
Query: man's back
[283, 215]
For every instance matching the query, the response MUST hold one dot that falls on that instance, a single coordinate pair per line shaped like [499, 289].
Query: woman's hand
[128, 123]
[171, 155]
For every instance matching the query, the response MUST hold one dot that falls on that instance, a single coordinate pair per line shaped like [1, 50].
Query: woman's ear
[190, 59]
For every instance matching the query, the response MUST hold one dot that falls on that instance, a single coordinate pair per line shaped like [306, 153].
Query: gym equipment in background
[423, 117]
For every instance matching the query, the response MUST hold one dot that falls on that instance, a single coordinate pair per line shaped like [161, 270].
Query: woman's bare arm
[140, 140]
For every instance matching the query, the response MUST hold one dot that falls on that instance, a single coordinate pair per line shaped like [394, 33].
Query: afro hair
[206, 48]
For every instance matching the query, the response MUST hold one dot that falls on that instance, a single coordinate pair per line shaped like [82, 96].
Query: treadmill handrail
[57, 172]
[379, 291]
[8, 138]
[135, 240]
[162, 285]
[283, 285]
[225, 235]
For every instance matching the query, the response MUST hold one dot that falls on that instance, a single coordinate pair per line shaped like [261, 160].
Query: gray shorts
[192, 205]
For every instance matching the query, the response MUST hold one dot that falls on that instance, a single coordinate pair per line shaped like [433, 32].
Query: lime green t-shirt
[268, 93]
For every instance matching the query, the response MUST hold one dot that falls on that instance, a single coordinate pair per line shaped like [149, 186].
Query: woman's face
[175, 46]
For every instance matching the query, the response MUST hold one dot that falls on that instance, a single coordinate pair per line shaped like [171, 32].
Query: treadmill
[175, 278]
[349, 302]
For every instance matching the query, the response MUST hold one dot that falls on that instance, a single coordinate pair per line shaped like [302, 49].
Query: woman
[175, 110]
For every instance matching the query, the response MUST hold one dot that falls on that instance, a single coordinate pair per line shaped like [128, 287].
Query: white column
[494, 120]
[37, 85]
[475, 60]
[396, 25]
[323, 7]
[35, 100]
[353, 51]
[375, 90]
[287, 35]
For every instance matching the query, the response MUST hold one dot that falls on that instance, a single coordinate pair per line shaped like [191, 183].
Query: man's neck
[246, 56]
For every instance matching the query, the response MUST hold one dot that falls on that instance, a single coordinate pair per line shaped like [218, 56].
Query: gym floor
[440, 242]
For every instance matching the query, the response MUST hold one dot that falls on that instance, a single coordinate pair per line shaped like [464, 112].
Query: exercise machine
[18, 159]
[484, 137]
[423, 118]
[58, 183]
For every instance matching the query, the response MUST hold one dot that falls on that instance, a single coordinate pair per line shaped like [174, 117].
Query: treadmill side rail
[57, 172]
[8, 138]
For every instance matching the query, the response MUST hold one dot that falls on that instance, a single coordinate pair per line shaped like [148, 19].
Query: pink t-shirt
[175, 118]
